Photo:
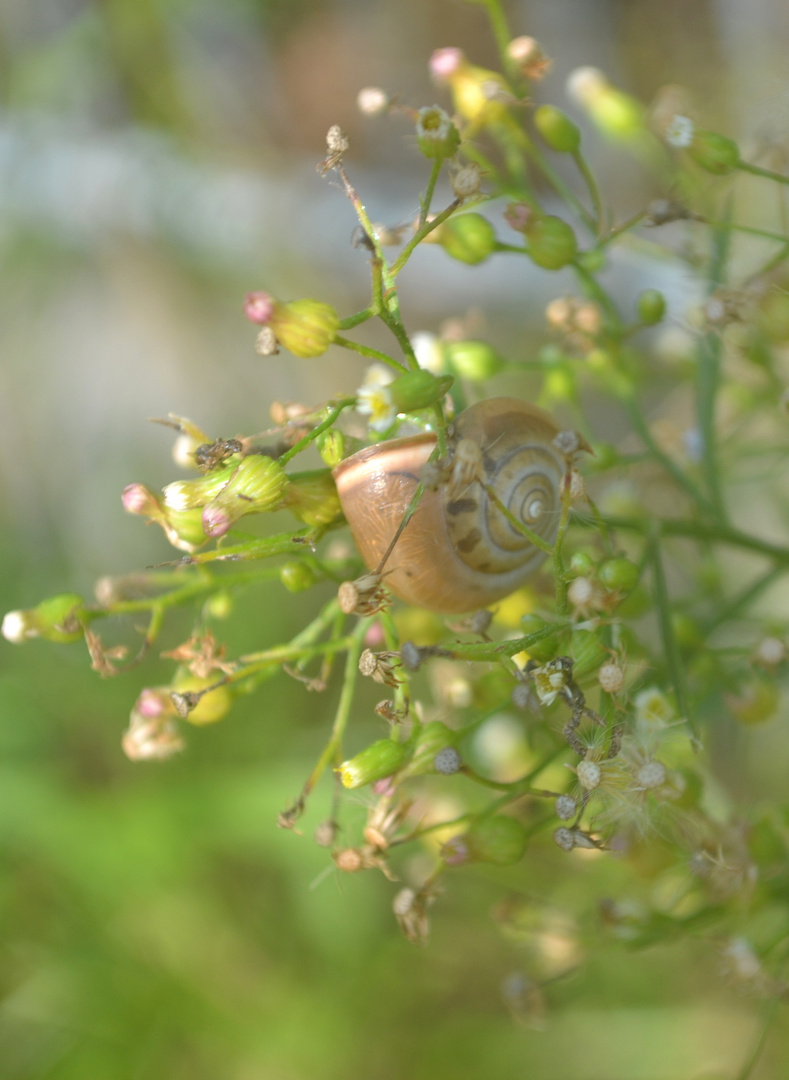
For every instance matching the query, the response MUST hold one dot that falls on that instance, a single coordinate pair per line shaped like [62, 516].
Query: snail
[457, 552]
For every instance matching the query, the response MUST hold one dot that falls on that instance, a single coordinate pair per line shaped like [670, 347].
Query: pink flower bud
[138, 499]
[444, 63]
[259, 307]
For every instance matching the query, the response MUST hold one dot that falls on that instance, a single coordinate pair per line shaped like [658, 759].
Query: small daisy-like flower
[679, 132]
[376, 401]
[653, 708]
[549, 681]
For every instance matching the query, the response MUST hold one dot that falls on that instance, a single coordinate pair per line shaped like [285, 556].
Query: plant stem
[768, 174]
[372, 354]
[670, 647]
[327, 422]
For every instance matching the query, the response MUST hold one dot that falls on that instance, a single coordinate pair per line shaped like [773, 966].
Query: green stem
[312, 435]
[372, 354]
[697, 530]
[423, 231]
[435, 172]
[668, 464]
[360, 317]
[768, 174]
[332, 750]
[263, 548]
[670, 646]
[594, 190]
[707, 385]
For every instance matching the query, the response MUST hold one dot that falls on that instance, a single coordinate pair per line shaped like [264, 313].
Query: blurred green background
[156, 162]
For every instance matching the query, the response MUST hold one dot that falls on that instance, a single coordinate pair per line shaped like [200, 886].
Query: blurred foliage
[155, 922]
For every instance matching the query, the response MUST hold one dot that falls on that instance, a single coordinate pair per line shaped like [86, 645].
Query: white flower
[375, 401]
[429, 352]
[679, 132]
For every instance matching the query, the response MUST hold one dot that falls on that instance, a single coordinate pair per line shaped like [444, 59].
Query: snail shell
[458, 552]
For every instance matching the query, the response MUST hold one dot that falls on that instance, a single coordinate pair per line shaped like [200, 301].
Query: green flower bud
[558, 130]
[59, 618]
[469, 238]
[587, 651]
[305, 327]
[581, 564]
[651, 307]
[297, 576]
[255, 486]
[614, 112]
[436, 135]
[431, 739]
[618, 574]
[474, 360]
[188, 494]
[714, 153]
[312, 497]
[332, 447]
[498, 839]
[418, 390]
[210, 707]
[552, 242]
[381, 759]
[183, 528]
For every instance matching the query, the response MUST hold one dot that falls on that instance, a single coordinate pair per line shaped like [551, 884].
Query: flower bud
[615, 113]
[587, 651]
[618, 574]
[418, 390]
[312, 497]
[528, 55]
[188, 494]
[469, 238]
[436, 135]
[552, 242]
[431, 739]
[255, 486]
[138, 499]
[558, 130]
[197, 707]
[332, 447]
[381, 759]
[59, 618]
[305, 327]
[473, 360]
[296, 576]
[714, 153]
[651, 307]
[183, 528]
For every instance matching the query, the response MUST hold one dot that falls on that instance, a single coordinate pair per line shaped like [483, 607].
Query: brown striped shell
[458, 552]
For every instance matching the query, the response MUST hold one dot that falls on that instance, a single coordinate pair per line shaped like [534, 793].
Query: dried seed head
[651, 775]
[326, 833]
[589, 775]
[611, 678]
[336, 140]
[372, 101]
[466, 181]
[378, 666]
[349, 860]
[266, 343]
[364, 596]
[447, 761]
[565, 838]
[566, 807]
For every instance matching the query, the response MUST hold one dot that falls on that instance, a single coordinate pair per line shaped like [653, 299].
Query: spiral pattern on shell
[458, 552]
